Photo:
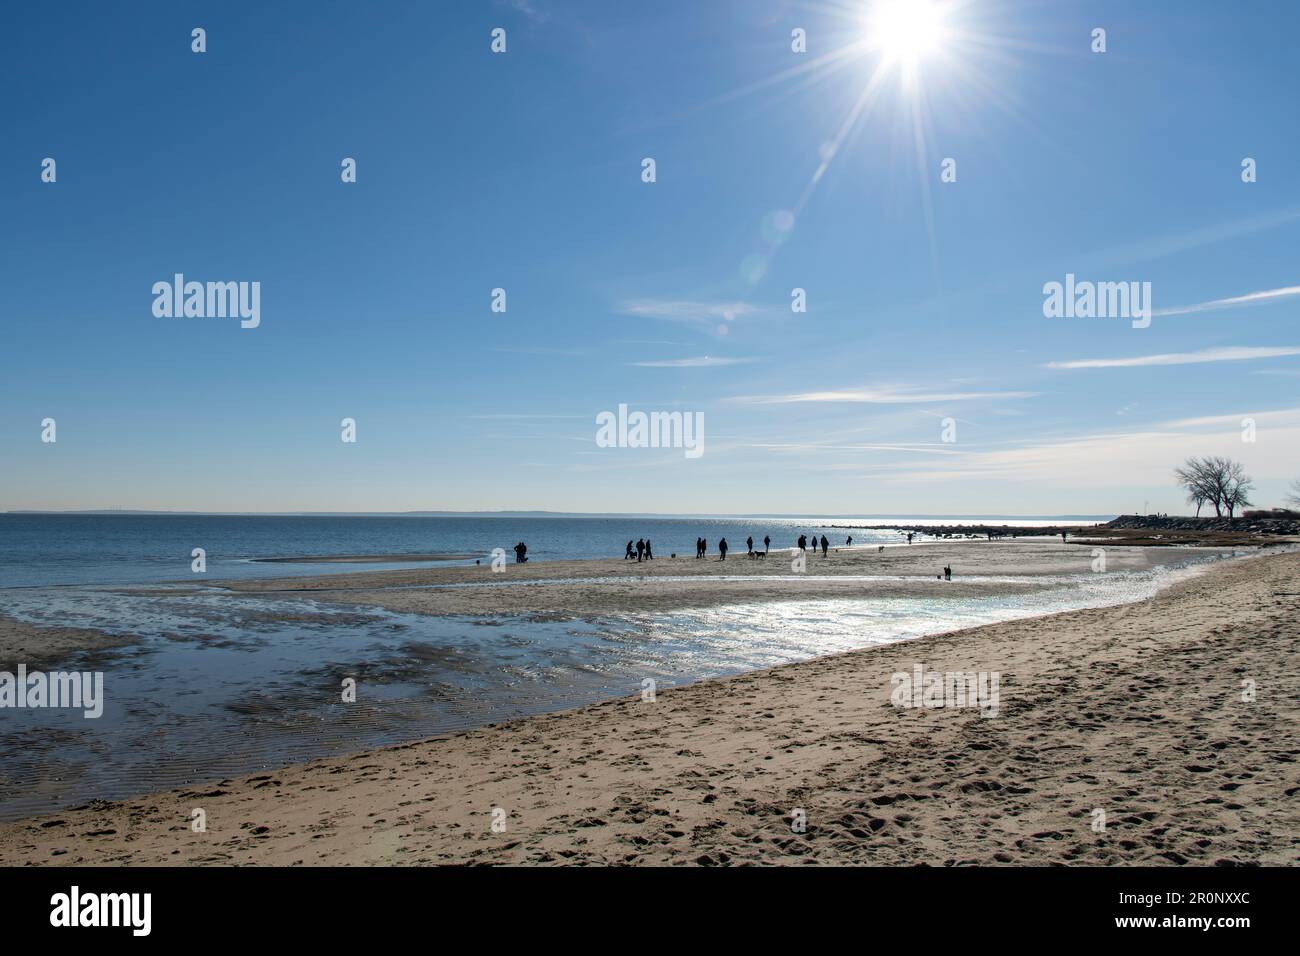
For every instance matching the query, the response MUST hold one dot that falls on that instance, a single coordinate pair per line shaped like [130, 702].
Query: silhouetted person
[803, 542]
[909, 537]
[1062, 537]
[767, 543]
[704, 547]
[947, 573]
[640, 550]
[848, 541]
[630, 553]
[749, 543]
[649, 555]
[825, 545]
[521, 553]
[722, 549]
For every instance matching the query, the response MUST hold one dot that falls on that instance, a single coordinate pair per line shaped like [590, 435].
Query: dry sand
[1135, 710]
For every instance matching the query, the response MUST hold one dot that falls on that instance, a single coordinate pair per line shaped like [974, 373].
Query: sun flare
[906, 31]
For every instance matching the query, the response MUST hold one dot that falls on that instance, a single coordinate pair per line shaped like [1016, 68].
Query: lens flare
[906, 30]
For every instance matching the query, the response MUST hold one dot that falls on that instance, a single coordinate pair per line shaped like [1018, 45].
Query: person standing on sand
[521, 553]
[825, 545]
[640, 550]
[704, 547]
[848, 542]
[803, 542]
[722, 549]
[909, 537]
[629, 553]
[767, 543]
[749, 543]
[649, 555]
[947, 572]
[1062, 537]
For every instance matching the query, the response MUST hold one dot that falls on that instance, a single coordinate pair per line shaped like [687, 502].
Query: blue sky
[522, 171]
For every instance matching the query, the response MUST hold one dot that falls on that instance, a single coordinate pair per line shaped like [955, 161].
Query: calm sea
[44, 550]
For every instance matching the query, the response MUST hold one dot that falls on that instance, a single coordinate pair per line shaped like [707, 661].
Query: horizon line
[525, 513]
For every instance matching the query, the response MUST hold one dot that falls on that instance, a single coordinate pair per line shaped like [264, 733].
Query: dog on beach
[757, 554]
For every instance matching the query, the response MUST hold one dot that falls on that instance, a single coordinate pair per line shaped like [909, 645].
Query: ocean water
[43, 550]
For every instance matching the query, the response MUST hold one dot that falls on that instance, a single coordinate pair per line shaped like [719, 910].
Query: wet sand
[612, 585]
[39, 647]
[1135, 710]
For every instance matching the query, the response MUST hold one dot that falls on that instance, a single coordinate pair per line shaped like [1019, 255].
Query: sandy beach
[1135, 710]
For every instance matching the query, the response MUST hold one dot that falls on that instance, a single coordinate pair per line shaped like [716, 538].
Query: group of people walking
[702, 545]
[803, 543]
[642, 551]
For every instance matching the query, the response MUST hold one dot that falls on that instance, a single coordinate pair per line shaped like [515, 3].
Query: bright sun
[905, 30]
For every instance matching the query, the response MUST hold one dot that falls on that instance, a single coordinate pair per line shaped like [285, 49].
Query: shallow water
[221, 686]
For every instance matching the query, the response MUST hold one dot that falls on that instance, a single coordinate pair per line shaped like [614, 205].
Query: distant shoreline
[367, 558]
[797, 516]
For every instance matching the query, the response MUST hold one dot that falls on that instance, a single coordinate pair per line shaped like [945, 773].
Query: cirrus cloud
[880, 395]
[1231, 353]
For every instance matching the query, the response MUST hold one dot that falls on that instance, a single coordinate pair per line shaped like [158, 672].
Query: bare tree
[1236, 487]
[1293, 499]
[1196, 475]
[1221, 482]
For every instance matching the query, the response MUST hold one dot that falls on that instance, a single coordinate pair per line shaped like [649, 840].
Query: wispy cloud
[540, 350]
[1250, 298]
[1118, 459]
[913, 448]
[685, 310]
[528, 8]
[513, 416]
[1183, 240]
[880, 395]
[703, 361]
[1232, 353]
